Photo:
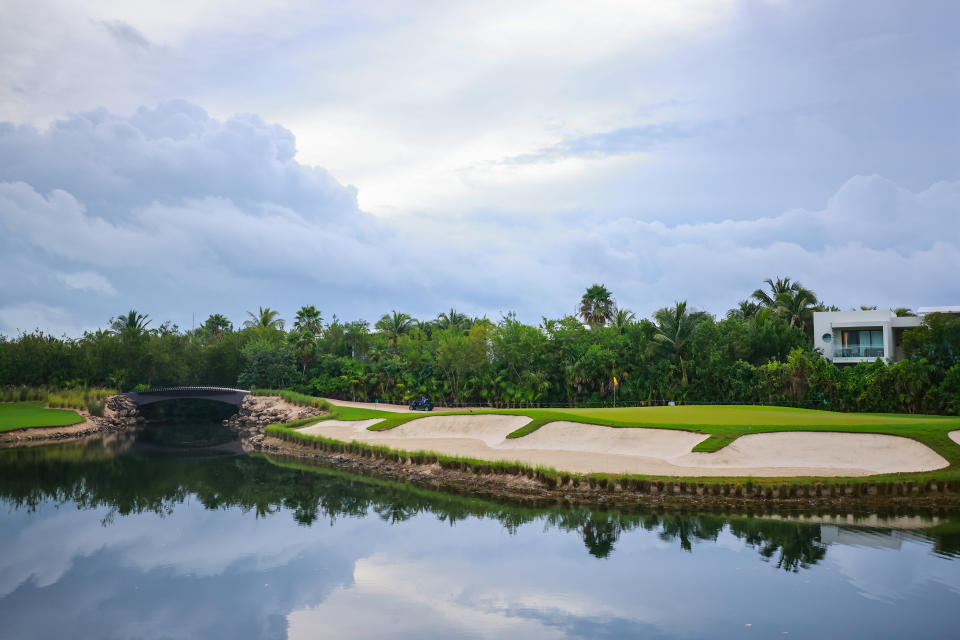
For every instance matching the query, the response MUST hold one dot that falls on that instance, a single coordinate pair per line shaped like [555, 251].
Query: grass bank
[931, 486]
[92, 400]
[294, 398]
[23, 415]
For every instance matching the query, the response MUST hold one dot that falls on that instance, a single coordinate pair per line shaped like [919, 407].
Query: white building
[862, 336]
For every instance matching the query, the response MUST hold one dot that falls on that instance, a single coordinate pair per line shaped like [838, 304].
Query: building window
[861, 343]
[828, 338]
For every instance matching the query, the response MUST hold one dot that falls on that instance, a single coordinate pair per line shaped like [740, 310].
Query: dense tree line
[760, 352]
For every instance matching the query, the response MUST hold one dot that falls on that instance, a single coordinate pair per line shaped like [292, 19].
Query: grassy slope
[21, 415]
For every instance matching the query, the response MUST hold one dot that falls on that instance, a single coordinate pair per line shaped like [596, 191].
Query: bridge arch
[216, 394]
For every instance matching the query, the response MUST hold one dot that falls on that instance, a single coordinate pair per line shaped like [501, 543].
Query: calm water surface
[178, 536]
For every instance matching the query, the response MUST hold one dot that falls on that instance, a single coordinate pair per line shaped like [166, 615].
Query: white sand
[586, 448]
[340, 429]
[856, 453]
[955, 436]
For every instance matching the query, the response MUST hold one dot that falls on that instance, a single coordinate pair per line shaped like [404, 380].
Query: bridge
[217, 394]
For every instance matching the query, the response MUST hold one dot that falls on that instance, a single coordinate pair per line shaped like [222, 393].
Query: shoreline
[38, 436]
[532, 486]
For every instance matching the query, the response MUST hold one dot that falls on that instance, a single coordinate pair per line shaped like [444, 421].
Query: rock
[256, 412]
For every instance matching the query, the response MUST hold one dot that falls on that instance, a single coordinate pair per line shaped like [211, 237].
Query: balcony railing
[857, 351]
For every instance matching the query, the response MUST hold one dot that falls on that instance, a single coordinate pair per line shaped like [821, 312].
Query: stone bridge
[217, 394]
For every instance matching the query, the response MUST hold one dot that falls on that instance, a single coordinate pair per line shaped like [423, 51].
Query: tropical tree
[132, 323]
[796, 307]
[744, 310]
[304, 345]
[265, 318]
[623, 319]
[597, 307]
[459, 355]
[269, 364]
[356, 338]
[453, 319]
[904, 312]
[216, 325]
[394, 325]
[674, 336]
[309, 319]
[777, 287]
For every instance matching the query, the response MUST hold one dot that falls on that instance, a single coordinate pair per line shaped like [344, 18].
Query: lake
[169, 536]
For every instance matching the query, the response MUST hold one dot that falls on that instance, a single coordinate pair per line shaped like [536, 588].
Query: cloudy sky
[188, 158]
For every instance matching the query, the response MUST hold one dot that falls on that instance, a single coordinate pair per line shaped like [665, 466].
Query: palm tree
[482, 322]
[674, 334]
[309, 319]
[265, 318]
[133, 322]
[424, 329]
[217, 325]
[304, 345]
[781, 285]
[797, 306]
[597, 306]
[745, 310]
[394, 325]
[623, 319]
[453, 319]
[904, 312]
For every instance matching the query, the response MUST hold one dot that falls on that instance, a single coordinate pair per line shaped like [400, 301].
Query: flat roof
[948, 309]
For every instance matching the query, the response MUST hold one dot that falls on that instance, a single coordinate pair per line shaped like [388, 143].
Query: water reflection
[91, 477]
[246, 546]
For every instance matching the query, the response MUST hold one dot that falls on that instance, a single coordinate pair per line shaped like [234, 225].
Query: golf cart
[421, 404]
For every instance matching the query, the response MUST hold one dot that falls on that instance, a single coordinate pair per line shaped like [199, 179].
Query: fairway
[21, 415]
[722, 424]
[744, 415]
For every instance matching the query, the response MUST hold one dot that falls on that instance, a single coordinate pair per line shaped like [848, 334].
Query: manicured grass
[298, 399]
[726, 423]
[723, 423]
[22, 415]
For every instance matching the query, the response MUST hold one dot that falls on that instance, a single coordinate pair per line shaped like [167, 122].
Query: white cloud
[671, 151]
[180, 213]
[28, 316]
[87, 281]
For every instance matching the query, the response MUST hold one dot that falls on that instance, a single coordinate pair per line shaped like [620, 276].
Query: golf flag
[615, 383]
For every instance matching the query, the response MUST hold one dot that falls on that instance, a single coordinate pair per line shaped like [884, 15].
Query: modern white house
[848, 337]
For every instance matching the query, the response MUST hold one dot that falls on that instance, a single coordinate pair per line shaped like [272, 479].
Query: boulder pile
[257, 412]
[121, 413]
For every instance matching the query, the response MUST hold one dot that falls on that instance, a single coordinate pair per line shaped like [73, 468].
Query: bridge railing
[189, 390]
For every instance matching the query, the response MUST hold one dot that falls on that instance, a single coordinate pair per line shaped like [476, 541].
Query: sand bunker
[955, 436]
[586, 448]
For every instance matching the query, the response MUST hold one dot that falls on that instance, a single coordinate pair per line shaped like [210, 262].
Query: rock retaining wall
[257, 412]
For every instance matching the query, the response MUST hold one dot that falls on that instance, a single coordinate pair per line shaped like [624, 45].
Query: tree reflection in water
[91, 477]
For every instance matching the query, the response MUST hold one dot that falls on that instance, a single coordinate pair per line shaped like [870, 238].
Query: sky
[189, 158]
